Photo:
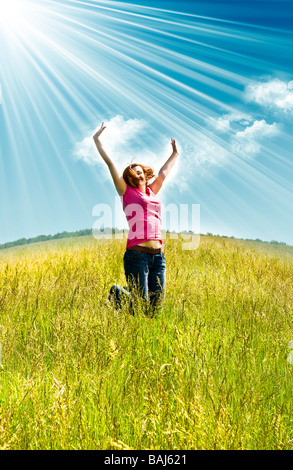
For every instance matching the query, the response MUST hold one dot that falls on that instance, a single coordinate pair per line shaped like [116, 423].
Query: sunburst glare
[15, 15]
[11, 12]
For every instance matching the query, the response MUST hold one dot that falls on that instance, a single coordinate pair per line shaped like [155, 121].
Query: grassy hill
[211, 371]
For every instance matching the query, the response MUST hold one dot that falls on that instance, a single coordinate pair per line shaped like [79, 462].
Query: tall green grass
[210, 371]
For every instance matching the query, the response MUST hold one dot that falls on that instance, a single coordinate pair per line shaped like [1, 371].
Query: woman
[144, 259]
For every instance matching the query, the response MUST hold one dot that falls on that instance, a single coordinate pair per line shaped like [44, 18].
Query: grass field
[210, 371]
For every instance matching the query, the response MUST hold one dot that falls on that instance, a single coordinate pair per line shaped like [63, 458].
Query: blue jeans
[144, 272]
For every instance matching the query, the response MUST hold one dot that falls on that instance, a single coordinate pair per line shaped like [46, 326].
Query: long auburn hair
[148, 172]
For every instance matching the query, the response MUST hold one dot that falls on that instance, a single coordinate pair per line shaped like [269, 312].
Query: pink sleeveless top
[143, 214]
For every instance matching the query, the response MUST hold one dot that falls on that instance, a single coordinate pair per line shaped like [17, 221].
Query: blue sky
[216, 76]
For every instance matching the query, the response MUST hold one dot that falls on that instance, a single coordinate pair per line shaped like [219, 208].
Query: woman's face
[140, 175]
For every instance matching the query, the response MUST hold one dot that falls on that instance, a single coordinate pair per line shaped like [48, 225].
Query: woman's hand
[99, 132]
[174, 146]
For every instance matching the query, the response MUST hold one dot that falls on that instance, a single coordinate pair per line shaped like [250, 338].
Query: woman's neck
[142, 187]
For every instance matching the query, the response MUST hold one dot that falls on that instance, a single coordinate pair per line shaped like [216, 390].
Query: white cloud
[239, 132]
[258, 130]
[249, 141]
[120, 139]
[232, 133]
[210, 153]
[274, 94]
[120, 132]
[227, 122]
[221, 124]
[202, 153]
[242, 133]
[247, 148]
[86, 151]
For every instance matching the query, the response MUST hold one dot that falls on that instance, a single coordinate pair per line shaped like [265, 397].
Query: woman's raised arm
[166, 168]
[117, 178]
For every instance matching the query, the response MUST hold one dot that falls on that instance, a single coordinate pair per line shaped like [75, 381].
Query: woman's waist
[150, 243]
